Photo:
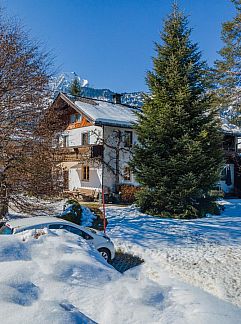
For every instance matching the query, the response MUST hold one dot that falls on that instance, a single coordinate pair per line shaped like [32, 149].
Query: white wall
[75, 172]
[75, 135]
[110, 137]
[76, 182]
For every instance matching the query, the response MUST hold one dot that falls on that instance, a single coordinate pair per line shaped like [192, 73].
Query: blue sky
[111, 42]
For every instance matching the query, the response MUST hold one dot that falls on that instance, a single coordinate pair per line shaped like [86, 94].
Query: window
[127, 173]
[75, 118]
[65, 140]
[75, 230]
[86, 173]
[97, 151]
[85, 138]
[58, 226]
[86, 236]
[239, 144]
[72, 118]
[78, 232]
[128, 138]
[55, 226]
[78, 118]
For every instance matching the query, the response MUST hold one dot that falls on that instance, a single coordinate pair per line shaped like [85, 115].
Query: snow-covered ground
[191, 273]
[204, 252]
[42, 280]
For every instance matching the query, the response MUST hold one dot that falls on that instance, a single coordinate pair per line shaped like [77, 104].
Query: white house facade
[95, 144]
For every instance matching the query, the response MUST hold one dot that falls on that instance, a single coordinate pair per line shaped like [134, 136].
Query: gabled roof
[103, 112]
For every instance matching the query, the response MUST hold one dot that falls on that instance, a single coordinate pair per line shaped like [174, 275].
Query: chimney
[117, 98]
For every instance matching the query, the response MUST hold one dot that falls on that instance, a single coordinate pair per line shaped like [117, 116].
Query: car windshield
[6, 230]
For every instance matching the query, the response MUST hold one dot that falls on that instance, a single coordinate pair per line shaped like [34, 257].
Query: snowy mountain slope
[63, 81]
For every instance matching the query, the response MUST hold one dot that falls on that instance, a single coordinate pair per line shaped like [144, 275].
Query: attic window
[78, 118]
[75, 118]
[72, 118]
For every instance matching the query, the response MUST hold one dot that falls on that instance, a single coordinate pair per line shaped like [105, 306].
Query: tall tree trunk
[3, 207]
[3, 197]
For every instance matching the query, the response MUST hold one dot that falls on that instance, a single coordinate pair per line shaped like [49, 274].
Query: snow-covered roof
[229, 128]
[107, 113]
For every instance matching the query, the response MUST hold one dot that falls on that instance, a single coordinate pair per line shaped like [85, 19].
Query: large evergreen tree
[178, 158]
[228, 67]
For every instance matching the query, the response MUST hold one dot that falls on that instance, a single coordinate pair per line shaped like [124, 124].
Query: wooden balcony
[78, 153]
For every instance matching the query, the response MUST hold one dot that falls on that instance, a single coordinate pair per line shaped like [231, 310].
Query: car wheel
[105, 254]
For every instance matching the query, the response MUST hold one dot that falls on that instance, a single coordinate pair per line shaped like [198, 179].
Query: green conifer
[75, 88]
[228, 67]
[179, 156]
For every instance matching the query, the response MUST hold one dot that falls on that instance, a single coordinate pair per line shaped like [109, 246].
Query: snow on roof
[229, 128]
[107, 113]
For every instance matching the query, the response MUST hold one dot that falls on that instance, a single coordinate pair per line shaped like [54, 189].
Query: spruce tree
[75, 88]
[228, 67]
[178, 158]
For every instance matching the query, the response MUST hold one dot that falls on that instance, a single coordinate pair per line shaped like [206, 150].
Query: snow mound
[42, 280]
[87, 217]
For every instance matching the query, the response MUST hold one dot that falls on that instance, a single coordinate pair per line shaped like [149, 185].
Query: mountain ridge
[63, 81]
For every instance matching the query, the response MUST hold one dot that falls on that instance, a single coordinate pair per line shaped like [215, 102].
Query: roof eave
[113, 124]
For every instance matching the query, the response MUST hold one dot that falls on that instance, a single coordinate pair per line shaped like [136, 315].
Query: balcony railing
[78, 153]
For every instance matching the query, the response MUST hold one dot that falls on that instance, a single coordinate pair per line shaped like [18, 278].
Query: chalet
[95, 142]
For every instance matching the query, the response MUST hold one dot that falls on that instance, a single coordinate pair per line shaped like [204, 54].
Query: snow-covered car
[96, 238]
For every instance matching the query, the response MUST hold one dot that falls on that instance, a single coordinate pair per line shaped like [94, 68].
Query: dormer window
[75, 118]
